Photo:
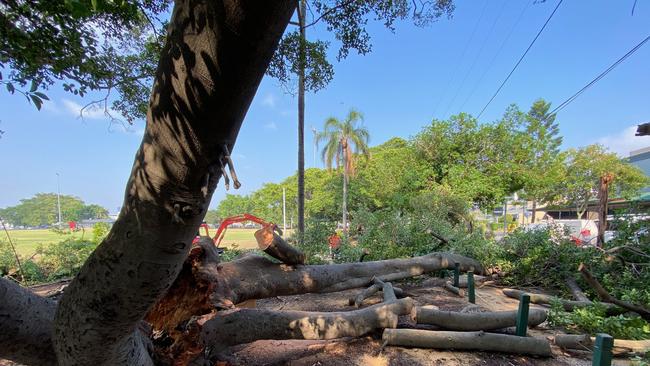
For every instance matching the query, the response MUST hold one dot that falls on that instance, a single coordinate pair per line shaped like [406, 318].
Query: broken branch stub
[273, 245]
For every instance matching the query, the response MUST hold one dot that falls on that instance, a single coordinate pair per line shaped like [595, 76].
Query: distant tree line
[42, 209]
[480, 163]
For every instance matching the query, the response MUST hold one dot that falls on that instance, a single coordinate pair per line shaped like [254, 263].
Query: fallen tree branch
[478, 341]
[605, 296]
[568, 305]
[273, 245]
[453, 289]
[453, 320]
[247, 325]
[585, 343]
[373, 289]
[576, 291]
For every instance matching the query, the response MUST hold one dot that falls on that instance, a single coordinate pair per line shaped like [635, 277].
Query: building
[641, 158]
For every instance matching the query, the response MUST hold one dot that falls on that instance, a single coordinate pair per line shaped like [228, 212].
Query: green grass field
[27, 241]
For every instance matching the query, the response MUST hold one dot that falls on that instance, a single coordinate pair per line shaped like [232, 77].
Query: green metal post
[522, 315]
[470, 287]
[456, 273]
[603, 350]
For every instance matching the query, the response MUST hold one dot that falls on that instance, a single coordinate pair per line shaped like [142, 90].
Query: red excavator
[231, 220]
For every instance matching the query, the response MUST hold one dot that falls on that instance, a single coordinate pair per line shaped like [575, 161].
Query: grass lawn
[26, 241]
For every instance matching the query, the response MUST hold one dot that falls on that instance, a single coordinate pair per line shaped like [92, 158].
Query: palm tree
[344, 140]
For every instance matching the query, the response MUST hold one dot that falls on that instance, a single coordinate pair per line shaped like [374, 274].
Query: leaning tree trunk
[532, 220]
[214, 58]
[301, 121]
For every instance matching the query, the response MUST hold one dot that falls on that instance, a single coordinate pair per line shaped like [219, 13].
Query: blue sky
[412, 76]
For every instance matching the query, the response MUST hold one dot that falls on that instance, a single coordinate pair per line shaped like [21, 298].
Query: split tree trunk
[603, 193]
[453, 320]
[214, 58]
[205, 285]
[476, 341]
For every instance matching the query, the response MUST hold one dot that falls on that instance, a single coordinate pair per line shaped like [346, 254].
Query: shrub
[100, 230]
[65, 258]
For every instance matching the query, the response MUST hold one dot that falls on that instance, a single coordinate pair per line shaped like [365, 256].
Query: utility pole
[58, 198]
[301, 121]
[284, 211]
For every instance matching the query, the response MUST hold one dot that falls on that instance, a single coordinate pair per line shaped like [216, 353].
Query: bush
[65, 258]
[316, 244]
[100, 230]
[540, 257]
[592, 320]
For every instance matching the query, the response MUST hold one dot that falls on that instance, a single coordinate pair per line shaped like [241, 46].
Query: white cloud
[92, 112]
[271, 126]
[269, 100]
[624, 141]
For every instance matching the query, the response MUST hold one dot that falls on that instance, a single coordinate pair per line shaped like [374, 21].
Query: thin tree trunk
[603, 191]
[532, 220]
[301, 123]
[453, 320]
[345, 200]
[215, 56]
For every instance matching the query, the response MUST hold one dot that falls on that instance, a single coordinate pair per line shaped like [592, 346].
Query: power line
[521, 58]
[600, 76]
[462, 55]
[478, 54]
[505, 40]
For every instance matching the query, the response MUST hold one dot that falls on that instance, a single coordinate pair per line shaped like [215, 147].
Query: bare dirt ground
[368, 350]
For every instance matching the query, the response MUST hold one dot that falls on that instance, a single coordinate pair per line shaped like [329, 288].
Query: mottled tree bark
[25, 325]
[214, 58]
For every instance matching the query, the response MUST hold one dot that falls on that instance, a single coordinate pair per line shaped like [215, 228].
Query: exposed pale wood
[477, 341]
[273, 245]
[585, 343]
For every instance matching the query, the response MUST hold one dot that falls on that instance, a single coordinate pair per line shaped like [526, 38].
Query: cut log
[476, 341]
[273, 245]
[453, 289]
[606, 296]
[568, 305]
[585, 343]
[247, 325]
[462, 280]
[471, 321]
[576, 291]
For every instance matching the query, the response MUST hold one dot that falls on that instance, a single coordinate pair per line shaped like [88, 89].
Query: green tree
[482, 162]
[42, 209]
[545, 166]
[585, 167]
[344, 139]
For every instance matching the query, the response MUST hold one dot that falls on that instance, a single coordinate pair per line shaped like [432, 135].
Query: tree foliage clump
[42, 209]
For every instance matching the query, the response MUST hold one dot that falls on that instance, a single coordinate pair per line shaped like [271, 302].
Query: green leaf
[41, 95]
[34, 86]
[10, 88]
[94, 4]
[37, 101]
